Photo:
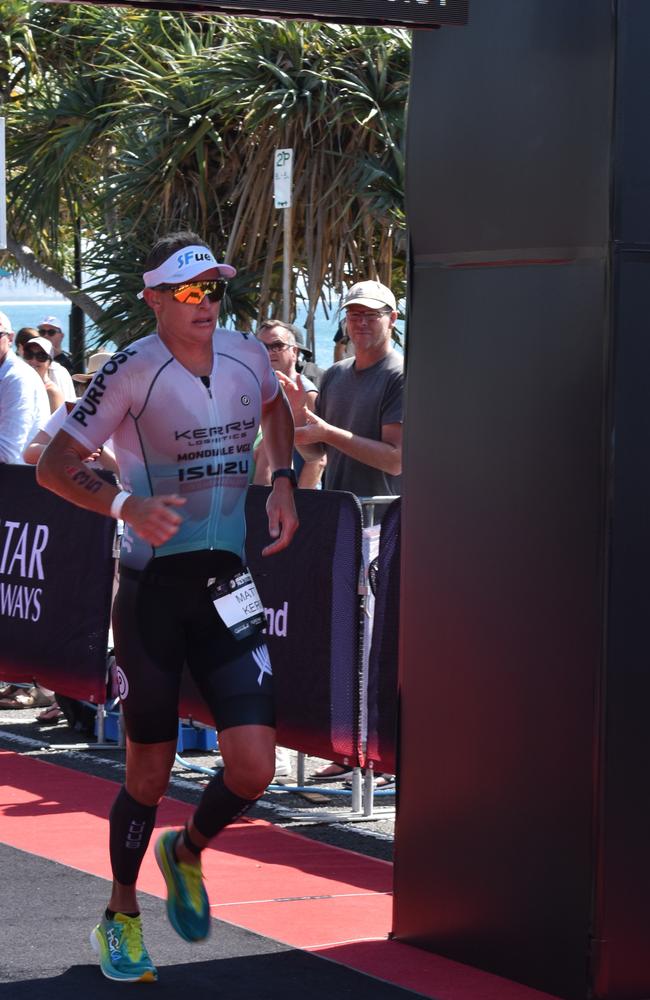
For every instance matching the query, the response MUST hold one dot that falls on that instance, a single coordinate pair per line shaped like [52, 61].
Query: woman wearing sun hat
[37, 352]
[105, 459]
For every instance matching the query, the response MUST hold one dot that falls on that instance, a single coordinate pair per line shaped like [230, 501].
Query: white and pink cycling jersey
[174, 434]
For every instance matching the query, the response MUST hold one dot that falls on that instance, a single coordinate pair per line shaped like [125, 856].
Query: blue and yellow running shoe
[121, 950]
[188, 908]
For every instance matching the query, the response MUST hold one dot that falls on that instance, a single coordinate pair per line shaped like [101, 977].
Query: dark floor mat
[48, 912]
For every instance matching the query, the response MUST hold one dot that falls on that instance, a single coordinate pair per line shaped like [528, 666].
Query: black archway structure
[523, 826]
[406, 13]
[524, 817]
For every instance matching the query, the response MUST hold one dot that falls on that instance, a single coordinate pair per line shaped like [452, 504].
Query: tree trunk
[29, 262]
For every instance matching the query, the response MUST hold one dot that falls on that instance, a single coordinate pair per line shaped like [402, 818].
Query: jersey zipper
[216, 502]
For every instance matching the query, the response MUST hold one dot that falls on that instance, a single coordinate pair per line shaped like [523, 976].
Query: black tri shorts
[164, 618]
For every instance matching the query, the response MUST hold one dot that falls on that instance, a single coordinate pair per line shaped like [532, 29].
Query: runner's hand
[283, 520]
[153, 518]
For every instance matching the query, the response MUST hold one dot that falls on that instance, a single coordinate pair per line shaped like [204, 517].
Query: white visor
[183, 265]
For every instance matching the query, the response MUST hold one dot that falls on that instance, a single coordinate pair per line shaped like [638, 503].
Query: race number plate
[238, 605]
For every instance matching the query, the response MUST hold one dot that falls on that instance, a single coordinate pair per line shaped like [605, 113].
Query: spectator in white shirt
[104, 458]
[57, 373]
[38, 355]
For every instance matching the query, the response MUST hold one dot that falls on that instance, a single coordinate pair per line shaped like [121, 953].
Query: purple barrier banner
[382, 666]
[312, 605]
[56, 573]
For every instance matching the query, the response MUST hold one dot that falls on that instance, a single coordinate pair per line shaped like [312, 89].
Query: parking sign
[282, 177]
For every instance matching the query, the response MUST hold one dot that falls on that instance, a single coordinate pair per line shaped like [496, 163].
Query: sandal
[26, 700]
[333, 772]
[33, 697]
[40, 698]
[380, 780]
[12, 702]
[51, 714]
[22, 698]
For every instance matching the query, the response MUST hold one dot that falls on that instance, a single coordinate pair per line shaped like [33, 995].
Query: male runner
[182, 406]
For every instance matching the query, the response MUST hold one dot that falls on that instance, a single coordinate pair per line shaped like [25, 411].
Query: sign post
[282, 184]
[3, 189]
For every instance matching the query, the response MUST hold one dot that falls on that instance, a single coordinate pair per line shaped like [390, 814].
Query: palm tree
[176, 124]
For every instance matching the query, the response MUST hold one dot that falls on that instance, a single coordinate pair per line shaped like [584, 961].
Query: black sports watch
[285, 474]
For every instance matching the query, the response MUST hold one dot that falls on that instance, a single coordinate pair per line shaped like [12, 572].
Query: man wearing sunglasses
[59, 375]
[280, 341]
[183, 407]
[50, 327]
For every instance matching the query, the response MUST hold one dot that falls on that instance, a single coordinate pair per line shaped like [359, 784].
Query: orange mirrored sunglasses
[192, 293]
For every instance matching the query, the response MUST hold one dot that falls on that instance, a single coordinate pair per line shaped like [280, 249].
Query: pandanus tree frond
[139, 122]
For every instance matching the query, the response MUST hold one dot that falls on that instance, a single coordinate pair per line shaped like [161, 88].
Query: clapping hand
[310, 428]
[296, 395]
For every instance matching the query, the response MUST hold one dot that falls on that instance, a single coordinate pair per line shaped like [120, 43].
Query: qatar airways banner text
[56, 573]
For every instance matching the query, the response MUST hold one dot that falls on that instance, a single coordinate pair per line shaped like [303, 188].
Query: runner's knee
[249, 777]
[148, 770]
[148, 788]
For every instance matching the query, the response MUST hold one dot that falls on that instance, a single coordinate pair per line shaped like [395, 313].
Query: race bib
[238, 605]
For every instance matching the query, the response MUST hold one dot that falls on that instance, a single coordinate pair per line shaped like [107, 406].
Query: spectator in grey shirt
[359, 414]
[358, 419]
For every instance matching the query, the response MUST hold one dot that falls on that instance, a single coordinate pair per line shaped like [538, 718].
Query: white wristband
[118, 503]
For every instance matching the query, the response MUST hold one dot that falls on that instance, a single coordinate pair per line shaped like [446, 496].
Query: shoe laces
[132, 936]
[193, 880]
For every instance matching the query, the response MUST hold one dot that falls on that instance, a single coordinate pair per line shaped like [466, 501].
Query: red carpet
[278, 884]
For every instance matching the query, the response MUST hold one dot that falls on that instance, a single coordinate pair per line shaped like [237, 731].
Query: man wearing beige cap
[358, 419]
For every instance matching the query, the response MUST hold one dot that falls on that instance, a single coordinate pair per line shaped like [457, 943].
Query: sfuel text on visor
[183, 265]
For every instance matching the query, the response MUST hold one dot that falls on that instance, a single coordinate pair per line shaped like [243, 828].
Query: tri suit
[174, 433]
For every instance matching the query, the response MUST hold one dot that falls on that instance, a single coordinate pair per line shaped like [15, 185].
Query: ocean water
[24, 312]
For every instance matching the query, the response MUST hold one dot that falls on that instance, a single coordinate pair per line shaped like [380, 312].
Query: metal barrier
[317, 595]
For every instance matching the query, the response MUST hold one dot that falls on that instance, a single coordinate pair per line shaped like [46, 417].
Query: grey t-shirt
[361, 402]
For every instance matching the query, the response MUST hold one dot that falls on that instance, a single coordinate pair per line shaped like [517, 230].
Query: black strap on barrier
[382, 666]
[56, 575]
[310, 594]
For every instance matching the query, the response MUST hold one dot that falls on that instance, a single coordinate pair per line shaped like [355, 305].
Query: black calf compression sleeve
[218, 807]
[131, 826]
